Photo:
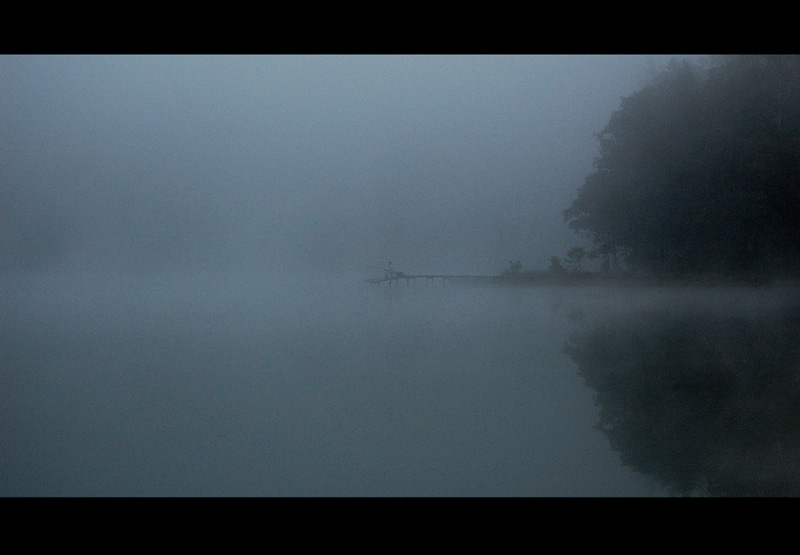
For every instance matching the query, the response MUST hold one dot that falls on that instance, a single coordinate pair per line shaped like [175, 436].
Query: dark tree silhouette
[699, 171]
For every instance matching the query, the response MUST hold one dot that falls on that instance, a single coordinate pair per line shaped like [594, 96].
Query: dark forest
[698, 173]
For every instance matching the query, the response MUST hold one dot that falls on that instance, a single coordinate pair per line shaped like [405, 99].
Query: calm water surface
[224, 385]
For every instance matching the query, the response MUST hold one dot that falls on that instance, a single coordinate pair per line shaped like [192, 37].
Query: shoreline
[546, 279]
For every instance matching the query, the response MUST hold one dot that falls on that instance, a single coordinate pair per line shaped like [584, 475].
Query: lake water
[230, 385]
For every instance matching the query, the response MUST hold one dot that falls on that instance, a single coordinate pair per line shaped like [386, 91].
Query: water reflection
[707, 403]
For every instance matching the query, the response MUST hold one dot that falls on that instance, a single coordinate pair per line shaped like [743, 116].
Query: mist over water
[247, 385]
[184, 311]
[210, 385]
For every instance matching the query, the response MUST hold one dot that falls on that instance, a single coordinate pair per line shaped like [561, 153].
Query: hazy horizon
[184, 241]
[437, 163]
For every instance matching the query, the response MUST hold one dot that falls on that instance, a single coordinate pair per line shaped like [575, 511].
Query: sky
[438, 163]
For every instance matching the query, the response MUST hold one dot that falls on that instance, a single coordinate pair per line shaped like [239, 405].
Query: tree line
[698, 172]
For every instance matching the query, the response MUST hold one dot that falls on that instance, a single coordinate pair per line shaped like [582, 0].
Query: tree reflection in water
[704, 403]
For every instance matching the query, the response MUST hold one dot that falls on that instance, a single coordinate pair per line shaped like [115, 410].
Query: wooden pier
[396, 277]
[392, 277]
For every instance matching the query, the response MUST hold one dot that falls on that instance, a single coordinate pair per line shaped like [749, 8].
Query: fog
[442, 164]
[185, 242]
